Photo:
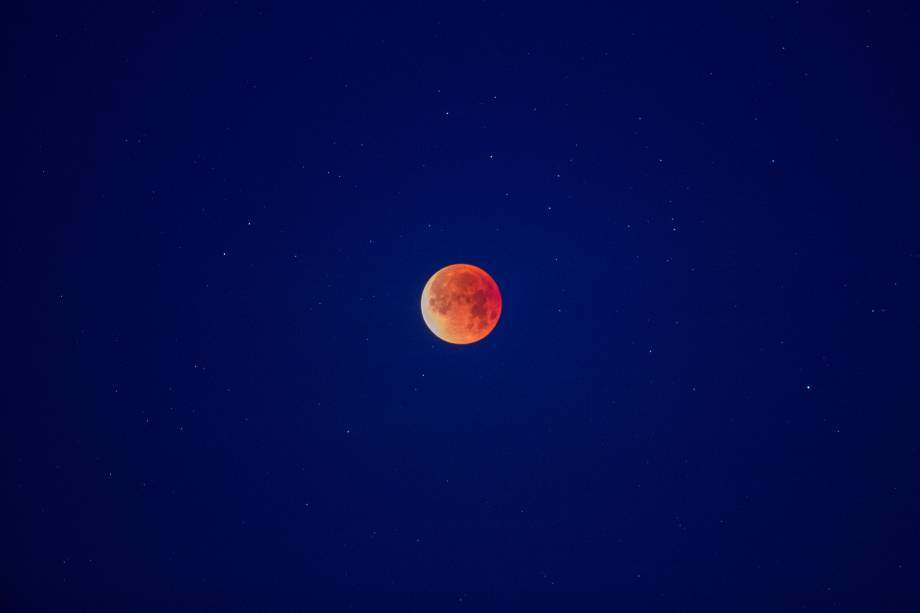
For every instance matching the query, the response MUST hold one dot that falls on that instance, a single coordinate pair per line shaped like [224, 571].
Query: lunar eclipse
[461, 304]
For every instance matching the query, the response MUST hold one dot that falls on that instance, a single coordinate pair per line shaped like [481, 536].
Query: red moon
[461, 304]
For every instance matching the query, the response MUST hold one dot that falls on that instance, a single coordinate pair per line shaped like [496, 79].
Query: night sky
[701, 395]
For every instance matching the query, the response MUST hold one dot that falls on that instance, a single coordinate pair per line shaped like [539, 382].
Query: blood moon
[461, 304]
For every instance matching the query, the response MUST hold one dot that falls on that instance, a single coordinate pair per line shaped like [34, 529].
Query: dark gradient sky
[702, 394]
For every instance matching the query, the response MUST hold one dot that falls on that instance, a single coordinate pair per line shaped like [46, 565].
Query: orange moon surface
[461, 304]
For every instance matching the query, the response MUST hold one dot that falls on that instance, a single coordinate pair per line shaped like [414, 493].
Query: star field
[701, 395]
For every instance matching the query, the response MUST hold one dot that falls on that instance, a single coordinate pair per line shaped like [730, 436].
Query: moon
[461, 304]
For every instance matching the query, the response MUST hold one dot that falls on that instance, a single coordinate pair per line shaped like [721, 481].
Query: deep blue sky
[701, 395]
